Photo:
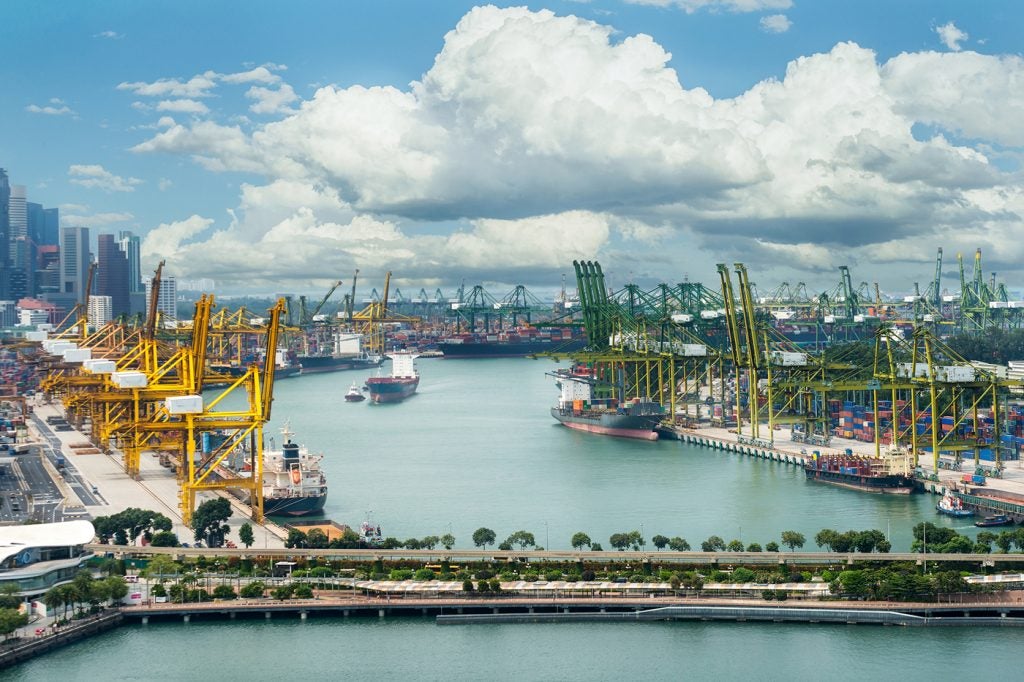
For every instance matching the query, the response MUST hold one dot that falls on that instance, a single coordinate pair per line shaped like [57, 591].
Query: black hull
[293, 506]
[315, 364]
[891, 485]
[507, 349]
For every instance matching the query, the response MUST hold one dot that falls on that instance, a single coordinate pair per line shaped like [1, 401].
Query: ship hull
[316, 364]
[285, 372]
[609, 424]
[888, 485]
[391, 389]
[506, 349]
[294, 506]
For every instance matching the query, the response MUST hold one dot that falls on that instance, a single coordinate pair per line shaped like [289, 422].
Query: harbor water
[416, 649]
[476, 446]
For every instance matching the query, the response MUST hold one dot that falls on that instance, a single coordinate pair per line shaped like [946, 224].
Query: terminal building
[39, 556]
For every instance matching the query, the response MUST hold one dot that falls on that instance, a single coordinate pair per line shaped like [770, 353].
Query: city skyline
[497, 144]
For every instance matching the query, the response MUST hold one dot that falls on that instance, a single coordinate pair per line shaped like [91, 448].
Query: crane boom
[154, 298]
[352, 297]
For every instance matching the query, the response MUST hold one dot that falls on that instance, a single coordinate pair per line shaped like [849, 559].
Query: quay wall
[68, 634]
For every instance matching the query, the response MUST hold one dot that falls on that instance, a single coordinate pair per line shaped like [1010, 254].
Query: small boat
[354, 395]
[994, 520]
[950, 505]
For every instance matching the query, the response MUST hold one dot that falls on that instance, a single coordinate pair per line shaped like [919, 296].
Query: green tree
[636, 540]
[447, 540]
[9, 598]
[296, 539]
[792, 539]
[116, 587]
[208, 521]
[430, 542]
[224, 592]
[412, 543]
[771, 547]
[317, 539]
[660, 541]
[54, 599]
[735, 546]
[161, 565]
[713, 544]
[826, 538]
[164, 538]
[678, 544]
[467, 585]
[11, 620]
[506, 545]
[245, 535]
[482, 537]
[753, 547]
[303, 591]
[619, 541]
[253, 590]
[580, 540]
[522, 538]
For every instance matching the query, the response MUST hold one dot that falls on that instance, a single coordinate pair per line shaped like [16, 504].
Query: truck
[60, 462]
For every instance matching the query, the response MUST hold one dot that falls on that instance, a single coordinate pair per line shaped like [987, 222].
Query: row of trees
[897, 583]
[126, 527]
[483, 537]
[85, 590]
[939, 540]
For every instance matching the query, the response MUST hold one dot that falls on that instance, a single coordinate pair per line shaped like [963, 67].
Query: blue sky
[793, 135]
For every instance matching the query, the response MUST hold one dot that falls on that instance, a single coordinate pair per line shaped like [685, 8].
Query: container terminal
[767, 375]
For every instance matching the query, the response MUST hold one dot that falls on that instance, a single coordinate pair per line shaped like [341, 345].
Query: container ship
[400, 385]
[347, 353]
[890, 474]
[293, 483]
[577, 409]
[513, 343]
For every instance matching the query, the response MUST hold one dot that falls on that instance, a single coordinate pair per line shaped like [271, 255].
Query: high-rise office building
[112, 278]
[128, 242]
[5, 231]
[100, 311]
[74, 261]
[50, 234]
[166, 303]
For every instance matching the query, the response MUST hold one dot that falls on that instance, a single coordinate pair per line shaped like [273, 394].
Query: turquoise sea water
[416, 649]
[476, 446]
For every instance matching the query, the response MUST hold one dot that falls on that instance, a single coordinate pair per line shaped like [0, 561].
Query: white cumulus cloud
[691, 6]
[529, 122]
[197, 86]
[951, 36]
[56, 107]
[96, 177]
[183, 106]
[775, 23]
[271, 101]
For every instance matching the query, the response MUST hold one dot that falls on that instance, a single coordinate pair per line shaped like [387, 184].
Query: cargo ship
[293, 483]
[513, 343]
[578, 409]
[346, 353]
[890, 474]
[400, 385]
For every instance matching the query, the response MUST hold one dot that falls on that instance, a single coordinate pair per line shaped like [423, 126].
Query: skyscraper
[112, 278]
[166, 303]
[19, 245]
[50, 234]
[5, 231]
[74, 261]
[128, 242]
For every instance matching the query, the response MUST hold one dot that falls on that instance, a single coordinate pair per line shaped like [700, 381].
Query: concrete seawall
[69, 634]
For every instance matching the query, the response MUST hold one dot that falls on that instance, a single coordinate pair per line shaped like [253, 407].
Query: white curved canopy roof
[14, 539]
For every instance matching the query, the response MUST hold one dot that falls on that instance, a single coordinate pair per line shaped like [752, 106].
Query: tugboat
[994, 520]
[400, 385]
[354, 395]
[950, 505]
[293, 484]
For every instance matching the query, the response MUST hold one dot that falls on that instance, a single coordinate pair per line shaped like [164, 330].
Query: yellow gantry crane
[370, 321]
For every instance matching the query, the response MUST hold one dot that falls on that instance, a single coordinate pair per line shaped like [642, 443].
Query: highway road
[51, 448]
